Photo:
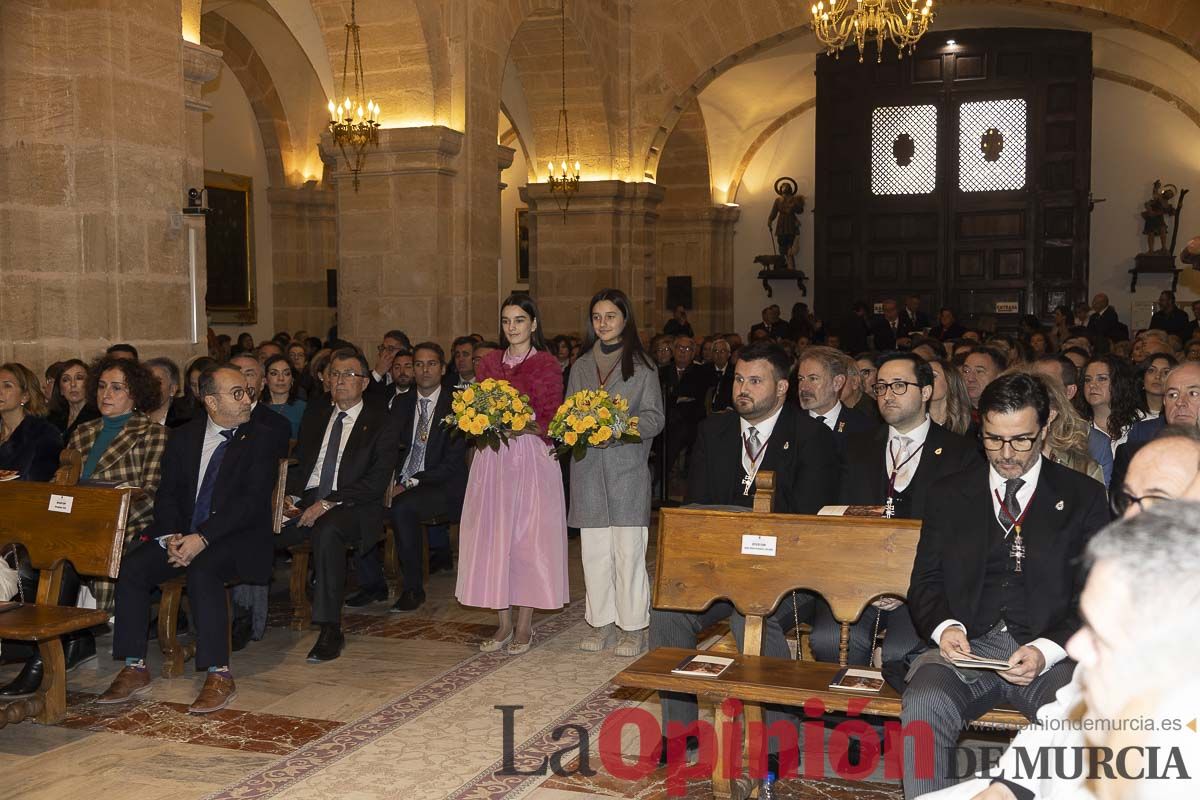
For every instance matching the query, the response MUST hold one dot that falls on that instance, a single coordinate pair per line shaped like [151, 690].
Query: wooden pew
[850, 561]
[175, 654]
[87, 529]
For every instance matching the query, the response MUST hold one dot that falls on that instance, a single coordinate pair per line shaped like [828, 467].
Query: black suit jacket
[1105, 323]
[721, 387]
[849, 420]
[801, 452]
[881, 329]
[920, 322]
[277, 427]
[367, 462]
[240, 517]
[948, 572]
[865, 473]
[692, 384]
[445, 455]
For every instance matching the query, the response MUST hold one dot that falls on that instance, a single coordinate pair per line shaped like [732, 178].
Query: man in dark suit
[1170, 317]
[380, 386]
[820, 378]
[431, 482]
[212, 522]
[345, 458]
[721, 377]
[997, 575]
[766, 433]
[684, 385]
[890, 328]
[280, 429]
[1103, 321]
[914, 318]
[772, 326]
[894, 466]
[1181, 408]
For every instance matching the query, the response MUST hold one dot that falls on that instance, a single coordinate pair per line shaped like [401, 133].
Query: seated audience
[889, 331]
[122, 351]
[981, 366]
[344, 460]
[260, 412]
[950, 406]
[70, 405]
[1152, 377]
[431, 482]
[1067, 433]
[212, 523]
[402, 376]
[948, 326]
[769, 434]
[684, 386]
[678, 324]
[393, 342]
[1170, 318]
[1111, 392]
[771, 326]
[282, 393]
[297, 356]
[720, 378]
[170, 411]
[29, 444]
[976, 524]
[1061, 371]
[662, 349]
[482, 348]
[1181, 408]
[820, 378]
[463, 354]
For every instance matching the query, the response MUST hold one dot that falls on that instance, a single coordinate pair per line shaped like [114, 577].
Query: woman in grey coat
[610, 486]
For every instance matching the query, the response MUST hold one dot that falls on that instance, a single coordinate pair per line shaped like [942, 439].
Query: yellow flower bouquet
[592, 418]
[489, 412]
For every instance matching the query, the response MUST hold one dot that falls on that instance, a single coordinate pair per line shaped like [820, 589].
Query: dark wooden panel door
[960, 174]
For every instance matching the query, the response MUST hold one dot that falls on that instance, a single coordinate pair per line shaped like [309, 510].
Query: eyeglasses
[1121, 500]
[1020, 444]
[335, 376]
[387, 348]
[237, 393]
[898, 387]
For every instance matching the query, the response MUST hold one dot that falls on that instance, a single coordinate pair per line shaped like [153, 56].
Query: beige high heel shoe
[492, 645]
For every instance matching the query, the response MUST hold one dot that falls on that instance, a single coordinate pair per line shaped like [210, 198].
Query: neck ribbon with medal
[889, 506]
[748, 481]
[1017, 551]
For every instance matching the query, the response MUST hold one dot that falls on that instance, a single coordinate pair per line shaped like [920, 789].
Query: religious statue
[1154, 216]
[787, 210]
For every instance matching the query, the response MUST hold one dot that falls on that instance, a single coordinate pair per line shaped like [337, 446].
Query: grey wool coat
[610, 487]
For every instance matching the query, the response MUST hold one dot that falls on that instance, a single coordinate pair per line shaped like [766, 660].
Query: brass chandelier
[565, 184]
[353, 122]
[902, 22]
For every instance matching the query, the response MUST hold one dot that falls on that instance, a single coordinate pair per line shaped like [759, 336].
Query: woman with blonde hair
[1067, 433]
[29, 444]
[950, 405]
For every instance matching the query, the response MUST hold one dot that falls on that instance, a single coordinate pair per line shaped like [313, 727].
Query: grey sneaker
[632, 643]
[598, 639]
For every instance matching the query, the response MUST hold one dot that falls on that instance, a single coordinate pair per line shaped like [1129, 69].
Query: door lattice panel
[992, 150]
[903, 150]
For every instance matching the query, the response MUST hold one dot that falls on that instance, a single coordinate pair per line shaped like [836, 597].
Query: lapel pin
[785, 445]
[937, 452]
[1059, 507]
[841, 427]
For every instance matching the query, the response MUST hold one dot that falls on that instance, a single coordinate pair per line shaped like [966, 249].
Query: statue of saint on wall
[1154, 217]
[784, 222]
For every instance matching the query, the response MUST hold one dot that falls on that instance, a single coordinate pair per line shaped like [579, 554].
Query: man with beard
[402, 376]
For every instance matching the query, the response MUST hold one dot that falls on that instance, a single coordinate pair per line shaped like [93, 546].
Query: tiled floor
[409, 710]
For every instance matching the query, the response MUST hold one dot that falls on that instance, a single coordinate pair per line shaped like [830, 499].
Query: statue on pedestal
[1154, 215]
[784, 222]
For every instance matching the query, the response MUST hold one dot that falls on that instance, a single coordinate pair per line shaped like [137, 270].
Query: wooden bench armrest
[762, 679]
[37, 622]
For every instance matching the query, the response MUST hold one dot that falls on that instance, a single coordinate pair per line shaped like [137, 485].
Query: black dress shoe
[79, 648]
[441, 561]
[693, 750]
[409, 601]
[27, 682]
[364, 597]
[329, 644]
[241, 631]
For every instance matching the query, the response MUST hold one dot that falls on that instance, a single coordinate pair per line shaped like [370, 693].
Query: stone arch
[243, 61]
[736, 31]
[684, 168]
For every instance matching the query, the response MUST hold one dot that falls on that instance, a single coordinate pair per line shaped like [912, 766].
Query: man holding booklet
[996, 580]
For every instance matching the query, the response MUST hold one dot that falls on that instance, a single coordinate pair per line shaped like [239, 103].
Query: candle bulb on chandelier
[576, 169]
[332, 111]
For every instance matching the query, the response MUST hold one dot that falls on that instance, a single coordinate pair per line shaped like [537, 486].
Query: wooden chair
[56, 524]
[175, 654]
[850, 561]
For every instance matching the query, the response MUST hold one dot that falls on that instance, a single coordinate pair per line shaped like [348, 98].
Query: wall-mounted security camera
[195, 202]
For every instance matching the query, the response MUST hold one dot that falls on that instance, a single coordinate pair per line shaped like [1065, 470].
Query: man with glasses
[684, 385]
[381, 376]
[1181, 408]
[212, 523]
[1161, 470]
[344, 460]
[996, 576]
[260, 414]
[893, 466]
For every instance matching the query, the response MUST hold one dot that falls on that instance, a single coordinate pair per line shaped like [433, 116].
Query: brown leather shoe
[130, 681]
[217, 692]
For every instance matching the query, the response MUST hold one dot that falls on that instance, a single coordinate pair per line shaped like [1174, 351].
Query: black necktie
[203, 507]
[1011, 506]
[329, 466]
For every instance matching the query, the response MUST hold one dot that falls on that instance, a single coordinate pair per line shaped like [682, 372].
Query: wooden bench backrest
[849, 561]
[279, 495]
[91, 535]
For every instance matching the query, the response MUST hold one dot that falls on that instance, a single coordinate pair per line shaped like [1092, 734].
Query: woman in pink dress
[513, 534]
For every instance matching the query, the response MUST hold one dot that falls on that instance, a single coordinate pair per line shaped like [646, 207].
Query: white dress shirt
[830, 416]
[352, 413]
[212, 440]
[764, 429]
[1051, 651]
[895, 451]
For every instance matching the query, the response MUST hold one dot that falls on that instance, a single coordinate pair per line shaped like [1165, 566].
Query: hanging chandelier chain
[354, 120]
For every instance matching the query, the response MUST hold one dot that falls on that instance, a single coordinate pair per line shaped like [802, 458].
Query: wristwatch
[326, 505]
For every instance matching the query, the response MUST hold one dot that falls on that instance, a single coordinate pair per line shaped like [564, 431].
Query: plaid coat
[135, 457]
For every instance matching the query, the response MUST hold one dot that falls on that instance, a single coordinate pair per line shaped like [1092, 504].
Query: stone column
[398, 252]
[200, 65]
[698, 241]
[304, 246]
[93, 145]
[606, 239]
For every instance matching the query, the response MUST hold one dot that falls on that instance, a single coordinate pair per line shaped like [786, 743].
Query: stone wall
[304, 238]
[94, 144]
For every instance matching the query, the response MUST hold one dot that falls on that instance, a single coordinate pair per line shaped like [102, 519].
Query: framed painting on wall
[523, 246]
[229, 241]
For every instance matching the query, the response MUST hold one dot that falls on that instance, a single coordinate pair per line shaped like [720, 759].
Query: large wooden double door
[960, 174]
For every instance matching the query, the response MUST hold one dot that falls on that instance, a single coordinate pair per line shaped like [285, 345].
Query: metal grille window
[992, 146]
[903, 150]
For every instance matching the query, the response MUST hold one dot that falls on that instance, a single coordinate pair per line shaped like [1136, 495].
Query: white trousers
[614, 574]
